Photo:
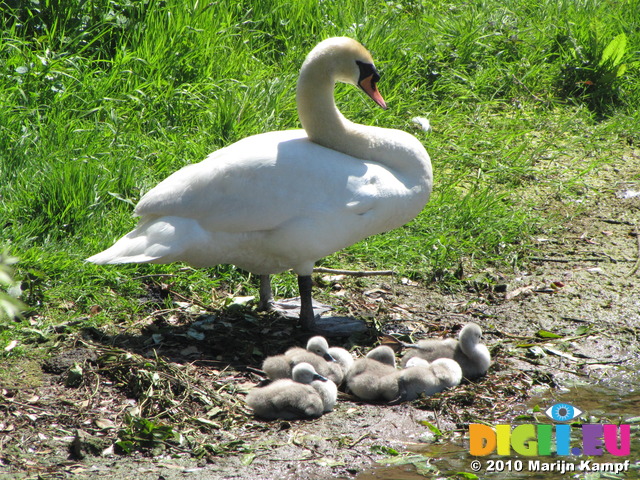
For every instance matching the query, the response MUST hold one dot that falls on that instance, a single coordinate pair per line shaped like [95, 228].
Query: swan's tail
[116, 254]
[158, 240]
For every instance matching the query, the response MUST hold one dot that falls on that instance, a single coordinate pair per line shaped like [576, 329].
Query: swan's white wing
[234, 189]
[263, 182]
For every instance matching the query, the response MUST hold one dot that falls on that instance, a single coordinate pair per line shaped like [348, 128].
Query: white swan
[282, 200]
[317, 354]
[307, 395]
[472, 356]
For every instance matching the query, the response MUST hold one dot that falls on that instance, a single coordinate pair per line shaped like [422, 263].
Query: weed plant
[102, 99]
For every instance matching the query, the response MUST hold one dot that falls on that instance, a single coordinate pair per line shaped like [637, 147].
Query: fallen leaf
[243, 301]
[207, 422]
[547, 334]
[105, 424]
[376, 292]
[190, 350]
[390, 341]
[519, 291]
[6, 428]
[77, 469]
[213, 411]
[329, 462]
[544, 290]
[561, 354]
[467, 475]
[195, 334]
[333, 278]
[431, 427]
[67, 305]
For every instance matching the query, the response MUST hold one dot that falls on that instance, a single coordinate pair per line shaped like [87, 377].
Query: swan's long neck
[469, 347]
[325, 125]
[475, 350]
[318, 113]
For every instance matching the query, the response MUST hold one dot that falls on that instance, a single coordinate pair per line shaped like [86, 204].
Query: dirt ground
[187, 370]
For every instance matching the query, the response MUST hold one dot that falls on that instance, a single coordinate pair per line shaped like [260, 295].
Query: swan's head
[383, 354]
[305, 373]
[470, 335]
[342, 357]
[319, 346]
[417, 362]
[347, 61]
[447, 371]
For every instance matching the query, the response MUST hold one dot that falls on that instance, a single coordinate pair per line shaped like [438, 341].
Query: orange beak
[369, 86]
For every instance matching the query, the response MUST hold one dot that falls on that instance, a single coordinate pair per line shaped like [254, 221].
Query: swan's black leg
[307, 315]
[266, 297]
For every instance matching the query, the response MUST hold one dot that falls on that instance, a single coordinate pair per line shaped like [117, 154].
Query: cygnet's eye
[562, 412]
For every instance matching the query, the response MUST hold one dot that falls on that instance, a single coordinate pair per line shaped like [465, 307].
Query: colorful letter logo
[538, 439]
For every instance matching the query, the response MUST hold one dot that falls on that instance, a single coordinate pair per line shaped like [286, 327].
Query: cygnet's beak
[402, 393]
[368, 84]
[397, 401]
[317, 376]
[328, 357]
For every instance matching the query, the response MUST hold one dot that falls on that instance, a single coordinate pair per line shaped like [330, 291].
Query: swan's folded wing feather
[263, 182]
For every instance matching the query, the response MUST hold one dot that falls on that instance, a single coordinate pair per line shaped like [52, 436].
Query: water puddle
[614, 403]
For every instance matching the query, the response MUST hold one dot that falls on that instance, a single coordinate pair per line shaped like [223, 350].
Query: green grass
[100, 100]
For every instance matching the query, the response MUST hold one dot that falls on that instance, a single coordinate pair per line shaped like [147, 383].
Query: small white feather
[422, 122]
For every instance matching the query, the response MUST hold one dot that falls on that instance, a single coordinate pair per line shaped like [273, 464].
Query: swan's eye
[367, 70]
[562, 412]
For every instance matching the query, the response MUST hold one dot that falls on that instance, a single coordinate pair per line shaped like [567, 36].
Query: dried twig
[155, 275]
[353, 273]
[605, 362]
[533, 95]
[614, 222]
[256, 371]
[510, 335]
[636, 266]
[583, 259]
[359, 439]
